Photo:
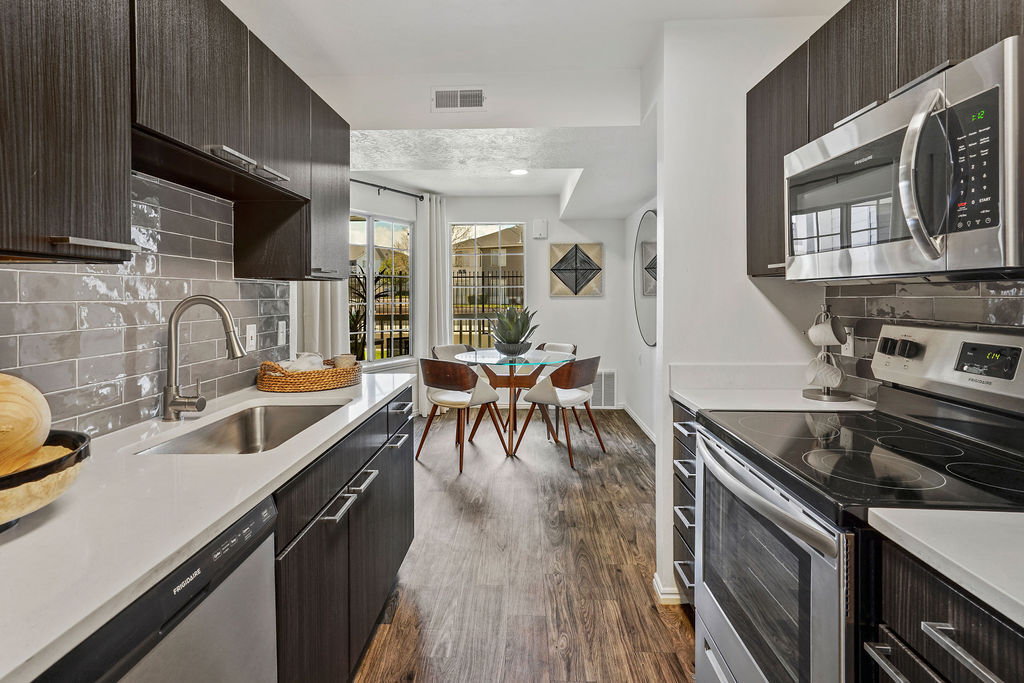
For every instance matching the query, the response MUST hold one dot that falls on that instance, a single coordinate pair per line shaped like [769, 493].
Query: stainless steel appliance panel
[773, 582]
[230, 636]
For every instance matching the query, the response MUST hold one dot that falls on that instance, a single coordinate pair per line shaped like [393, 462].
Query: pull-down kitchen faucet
[174, 403]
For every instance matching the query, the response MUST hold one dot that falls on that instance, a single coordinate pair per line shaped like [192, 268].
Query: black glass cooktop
[844, 463]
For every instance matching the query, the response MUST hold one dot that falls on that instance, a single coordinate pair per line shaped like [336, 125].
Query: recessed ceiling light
[518, 171]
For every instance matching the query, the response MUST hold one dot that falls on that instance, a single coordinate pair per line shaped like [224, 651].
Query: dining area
[550, 377]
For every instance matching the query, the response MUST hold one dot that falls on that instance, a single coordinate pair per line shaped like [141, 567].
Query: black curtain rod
[385, 188]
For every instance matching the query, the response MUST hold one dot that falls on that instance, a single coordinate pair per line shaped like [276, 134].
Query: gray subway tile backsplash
[972, 305]
[93, 337]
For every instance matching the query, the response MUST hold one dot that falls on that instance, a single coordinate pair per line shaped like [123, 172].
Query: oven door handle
[931, 247]
[814, 537]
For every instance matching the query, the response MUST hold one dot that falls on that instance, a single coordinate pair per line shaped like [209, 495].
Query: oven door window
[761, 579]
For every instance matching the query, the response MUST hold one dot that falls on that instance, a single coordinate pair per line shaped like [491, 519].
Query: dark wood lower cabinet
[313, 601]
[335, 575]
[380, 534]
[914, 596]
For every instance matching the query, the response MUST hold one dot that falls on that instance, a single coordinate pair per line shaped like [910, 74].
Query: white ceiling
[349, 37]
[615, 165]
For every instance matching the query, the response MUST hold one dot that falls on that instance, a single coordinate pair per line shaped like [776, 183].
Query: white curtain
[325, 318]
[439, 281]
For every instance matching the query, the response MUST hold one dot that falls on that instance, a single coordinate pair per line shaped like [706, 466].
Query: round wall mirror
[645, 277]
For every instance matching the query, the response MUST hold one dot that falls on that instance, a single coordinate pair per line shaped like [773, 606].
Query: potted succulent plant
[512, 329]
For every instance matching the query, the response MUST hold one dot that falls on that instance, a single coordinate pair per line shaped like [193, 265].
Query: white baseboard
[640, 423]
[666, 595]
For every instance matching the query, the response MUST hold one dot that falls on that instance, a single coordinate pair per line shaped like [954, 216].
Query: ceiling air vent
[461, 98]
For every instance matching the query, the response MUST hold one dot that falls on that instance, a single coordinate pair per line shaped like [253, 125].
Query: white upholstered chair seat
[446, 398]
[545, 393]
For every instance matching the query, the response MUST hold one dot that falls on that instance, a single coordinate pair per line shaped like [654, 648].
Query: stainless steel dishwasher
[211, 619]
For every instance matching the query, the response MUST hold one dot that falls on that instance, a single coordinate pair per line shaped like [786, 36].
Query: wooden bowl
[28, 490]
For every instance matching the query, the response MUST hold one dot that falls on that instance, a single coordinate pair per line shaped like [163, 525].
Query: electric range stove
[786, 566]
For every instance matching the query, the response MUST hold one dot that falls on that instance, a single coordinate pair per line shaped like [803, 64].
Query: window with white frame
[378, 288]
[487, 274]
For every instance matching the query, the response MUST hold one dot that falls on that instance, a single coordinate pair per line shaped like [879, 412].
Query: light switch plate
[250, 337]
[282, 333]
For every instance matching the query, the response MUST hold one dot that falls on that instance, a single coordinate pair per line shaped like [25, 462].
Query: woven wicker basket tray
[272, 377]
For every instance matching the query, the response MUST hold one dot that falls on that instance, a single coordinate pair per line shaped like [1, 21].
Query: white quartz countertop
[978, 550]
[130, 519]
[760, 399]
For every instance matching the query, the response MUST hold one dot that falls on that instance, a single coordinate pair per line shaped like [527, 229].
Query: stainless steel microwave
[923, 186]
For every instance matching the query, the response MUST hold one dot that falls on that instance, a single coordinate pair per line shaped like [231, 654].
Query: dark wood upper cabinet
[329, 192]
[776, 125]
[192, 75]
[65, 128]
[279, 119]
[932, 32]
[851, 62]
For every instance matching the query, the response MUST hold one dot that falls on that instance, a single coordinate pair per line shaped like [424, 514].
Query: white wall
[638, 395]
[514, 100]
[712, 311]
[594, 324]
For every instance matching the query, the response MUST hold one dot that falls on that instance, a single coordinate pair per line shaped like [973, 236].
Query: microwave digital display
[974, 136]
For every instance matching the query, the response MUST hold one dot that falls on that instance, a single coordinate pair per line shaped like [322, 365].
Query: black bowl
[76, 441]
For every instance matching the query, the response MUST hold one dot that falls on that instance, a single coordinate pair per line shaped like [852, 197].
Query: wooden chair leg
[594, 422]
[526, 424]
[556, 424]
[568, 439]
[476, 425]
[547, 423]
[495, 420]
[461, 437]
[426, 428]
[577, 416]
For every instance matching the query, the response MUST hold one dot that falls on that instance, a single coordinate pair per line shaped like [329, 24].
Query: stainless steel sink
[252, 430]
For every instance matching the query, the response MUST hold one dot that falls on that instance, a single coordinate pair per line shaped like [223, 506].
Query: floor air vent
[463, 98]
[604, 390]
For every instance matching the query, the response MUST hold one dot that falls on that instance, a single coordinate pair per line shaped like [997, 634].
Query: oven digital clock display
[988, 361]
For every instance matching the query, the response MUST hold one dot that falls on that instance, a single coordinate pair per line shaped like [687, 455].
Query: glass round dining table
[515, 380]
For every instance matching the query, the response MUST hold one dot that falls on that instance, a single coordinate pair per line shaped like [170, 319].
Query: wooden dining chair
[455, 385]
[557, 347]
[571, 385]
[449, 352]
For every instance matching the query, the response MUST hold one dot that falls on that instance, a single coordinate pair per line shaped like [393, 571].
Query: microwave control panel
[974, 135]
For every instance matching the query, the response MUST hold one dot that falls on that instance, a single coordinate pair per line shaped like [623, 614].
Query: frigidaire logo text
[188, 580]
[979, 381]
[861, 161]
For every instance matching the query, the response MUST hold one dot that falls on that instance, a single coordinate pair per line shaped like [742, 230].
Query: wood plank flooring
[524, 570]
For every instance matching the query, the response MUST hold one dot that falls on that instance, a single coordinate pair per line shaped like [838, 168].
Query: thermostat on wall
[540, 229]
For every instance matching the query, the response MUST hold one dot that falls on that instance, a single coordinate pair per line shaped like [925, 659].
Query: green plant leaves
[513, 326]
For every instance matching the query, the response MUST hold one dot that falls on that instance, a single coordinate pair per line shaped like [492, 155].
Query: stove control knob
[907, 348]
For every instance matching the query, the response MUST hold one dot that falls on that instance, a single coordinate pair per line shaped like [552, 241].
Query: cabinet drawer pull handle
[682, 518]
[880, 653]
[777, 265]
[366, 484]
[716, 666]
[264, 171]
[402, 408]
[344, 509]
[943, 635]
[325, 271]
[97, 244]
[679, 570]
[231, 155]
[683, 471]
[681, 428]
[401, 441]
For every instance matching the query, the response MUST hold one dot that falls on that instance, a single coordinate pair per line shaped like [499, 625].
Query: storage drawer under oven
[683, 565]
[684, 466]
[684, 512]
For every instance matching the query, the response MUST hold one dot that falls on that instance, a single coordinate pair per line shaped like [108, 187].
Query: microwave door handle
[931, 247]
[791, 524]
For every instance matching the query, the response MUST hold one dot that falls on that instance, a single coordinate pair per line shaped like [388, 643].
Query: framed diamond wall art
[577, 269]
[649, 257]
